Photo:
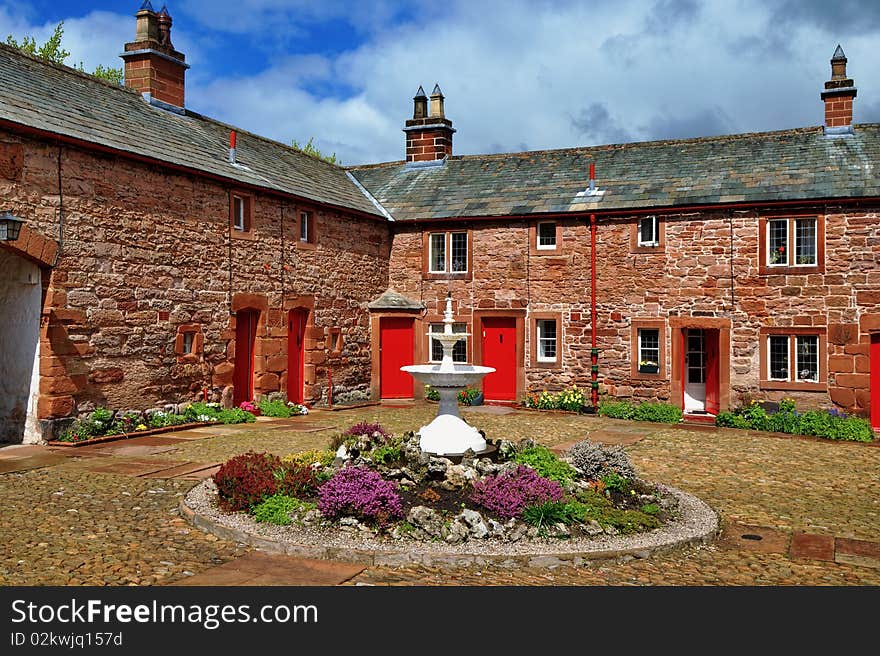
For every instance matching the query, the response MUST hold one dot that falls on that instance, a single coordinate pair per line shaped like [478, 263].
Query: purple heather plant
[375, 431]
[511, 492]
[360, 492]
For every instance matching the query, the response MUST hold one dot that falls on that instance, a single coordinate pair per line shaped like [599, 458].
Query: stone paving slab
[259, 568]
[131, 467]
[488, 409]
[182, 471]
[753, 538]
[136, 450]
[37, 460]
[857, 552]
[200, 474]
[812, 547]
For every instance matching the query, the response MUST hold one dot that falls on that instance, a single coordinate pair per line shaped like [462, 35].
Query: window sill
[306, 245]
[190, 358]
[247, 235]
[782, 270]
[792, 386]
[640, 375]
[428, 275]
[657, 250]
[538, 364]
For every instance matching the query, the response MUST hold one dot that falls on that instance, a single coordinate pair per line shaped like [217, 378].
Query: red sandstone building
[165, 256]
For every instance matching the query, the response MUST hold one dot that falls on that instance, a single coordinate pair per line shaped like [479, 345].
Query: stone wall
[147, 251]
[688, 277]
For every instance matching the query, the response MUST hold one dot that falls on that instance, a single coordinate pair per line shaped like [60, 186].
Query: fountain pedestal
[448, 433]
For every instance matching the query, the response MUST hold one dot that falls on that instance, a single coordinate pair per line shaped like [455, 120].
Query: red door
[499, 351]
[296, 337]
[395, 351]
[712, 368]
[243, 375]
[875, 380]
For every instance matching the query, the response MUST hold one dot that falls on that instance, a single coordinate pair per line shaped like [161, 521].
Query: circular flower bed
[377, 484]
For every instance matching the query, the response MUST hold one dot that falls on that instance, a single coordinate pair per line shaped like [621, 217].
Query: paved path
[106, 514]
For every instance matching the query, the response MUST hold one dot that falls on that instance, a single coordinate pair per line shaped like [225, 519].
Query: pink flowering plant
[360, 492]
[511, 492]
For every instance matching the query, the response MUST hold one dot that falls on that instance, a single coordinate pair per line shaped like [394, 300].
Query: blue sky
[517, 74]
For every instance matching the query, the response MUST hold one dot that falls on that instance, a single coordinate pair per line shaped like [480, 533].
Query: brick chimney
[152, 65]
[838, 96]
[428, 134]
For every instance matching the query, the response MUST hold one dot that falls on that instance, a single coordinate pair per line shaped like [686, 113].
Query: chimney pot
[437, 102]
[420, 104]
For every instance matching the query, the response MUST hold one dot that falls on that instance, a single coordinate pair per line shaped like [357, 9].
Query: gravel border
[697, 524]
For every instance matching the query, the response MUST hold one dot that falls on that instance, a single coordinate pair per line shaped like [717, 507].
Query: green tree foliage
[54, 52]
[309, 149]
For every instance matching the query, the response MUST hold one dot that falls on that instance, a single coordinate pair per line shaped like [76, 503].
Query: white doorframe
[695, 371]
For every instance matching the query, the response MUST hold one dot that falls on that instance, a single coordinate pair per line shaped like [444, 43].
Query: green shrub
[650, 509]
[728, 419]
[467, 395]
[277, 408]
[274, 510]
[556, 512]
[386, 453]
[545, 462]
[617, 409]
[664, 413]
[615, 482]
[596, 507]
[431, 394]
[571, 399]
[831, 424]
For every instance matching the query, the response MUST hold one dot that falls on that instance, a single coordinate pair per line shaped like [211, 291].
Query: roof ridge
[619, 146]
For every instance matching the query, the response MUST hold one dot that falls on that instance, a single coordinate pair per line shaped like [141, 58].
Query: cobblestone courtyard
[107, 514]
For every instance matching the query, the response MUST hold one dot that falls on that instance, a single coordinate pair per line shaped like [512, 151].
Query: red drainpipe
[232, 140]
[594, 351]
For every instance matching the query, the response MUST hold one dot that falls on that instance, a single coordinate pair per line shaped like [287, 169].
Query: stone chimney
[428, 135]
[152, 65]
[838, 96]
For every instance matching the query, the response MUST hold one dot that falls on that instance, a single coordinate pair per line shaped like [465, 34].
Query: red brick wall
[688, 278]
[147, 250]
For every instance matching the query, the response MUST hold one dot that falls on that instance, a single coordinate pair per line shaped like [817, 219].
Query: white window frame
[815, 221]
[655, 225]
[787, 358]
[639, 333]
[437, 327]
[445, 258]
[304, 218]
[797, 360]
[238, 213]
[545, 247]
[539, 336]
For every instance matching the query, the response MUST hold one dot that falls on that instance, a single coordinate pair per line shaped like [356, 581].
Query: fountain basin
[437, 376]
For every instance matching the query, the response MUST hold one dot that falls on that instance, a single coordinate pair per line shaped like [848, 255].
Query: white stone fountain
[448, 433]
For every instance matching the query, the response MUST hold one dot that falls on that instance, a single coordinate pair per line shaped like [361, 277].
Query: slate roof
[60, 100]
[801, 164]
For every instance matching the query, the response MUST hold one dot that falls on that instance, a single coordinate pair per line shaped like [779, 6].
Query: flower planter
[649, 369]
[126, 436]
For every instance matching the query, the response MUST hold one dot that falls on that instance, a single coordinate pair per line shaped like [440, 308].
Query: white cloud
[516, 74]
[531, 74]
